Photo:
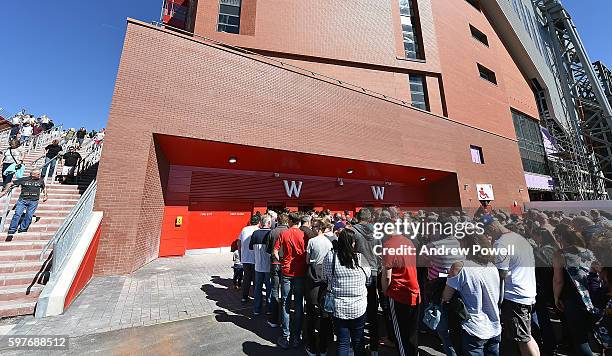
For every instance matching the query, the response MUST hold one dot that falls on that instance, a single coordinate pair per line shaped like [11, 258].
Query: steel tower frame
[585, 165]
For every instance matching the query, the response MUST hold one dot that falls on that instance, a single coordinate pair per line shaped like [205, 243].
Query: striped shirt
[440, 264]
[348, 286]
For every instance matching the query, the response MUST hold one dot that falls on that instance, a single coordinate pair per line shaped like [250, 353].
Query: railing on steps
[5, 202]
[89, 160]
[69, 232]
[92, 157]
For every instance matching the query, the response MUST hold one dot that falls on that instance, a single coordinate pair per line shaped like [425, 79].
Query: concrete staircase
[22, 273]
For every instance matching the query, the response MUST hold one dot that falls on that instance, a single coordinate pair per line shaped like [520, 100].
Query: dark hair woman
[573, 266]
[346, 274]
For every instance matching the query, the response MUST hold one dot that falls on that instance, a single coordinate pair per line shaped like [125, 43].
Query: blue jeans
[444, 334]
[292, 286]
[262, 278]
[27, 206]
[473, 346]
[48, 166]
[350, 332]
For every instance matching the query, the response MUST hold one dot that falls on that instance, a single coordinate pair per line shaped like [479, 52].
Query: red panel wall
[174, 238]
[85, 271]
[265, 187]
[217, 224]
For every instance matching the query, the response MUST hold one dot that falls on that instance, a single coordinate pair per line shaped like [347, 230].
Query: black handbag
[457, 307]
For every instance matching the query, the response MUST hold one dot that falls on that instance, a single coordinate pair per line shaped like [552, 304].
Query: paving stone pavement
[165, 290]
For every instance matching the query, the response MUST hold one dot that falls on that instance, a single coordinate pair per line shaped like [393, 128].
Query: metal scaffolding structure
[582, 167]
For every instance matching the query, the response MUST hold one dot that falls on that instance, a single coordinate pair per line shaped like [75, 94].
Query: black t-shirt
[71, 159]
[30, 188]
[81, 134]
[53, 150]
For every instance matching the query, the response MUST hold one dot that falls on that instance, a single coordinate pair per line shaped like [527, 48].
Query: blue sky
[60, 58]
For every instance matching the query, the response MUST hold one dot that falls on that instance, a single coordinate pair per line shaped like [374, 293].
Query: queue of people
[324, 280]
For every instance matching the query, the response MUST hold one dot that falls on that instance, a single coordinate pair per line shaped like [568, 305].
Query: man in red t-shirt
[293, 269]
[400, 285]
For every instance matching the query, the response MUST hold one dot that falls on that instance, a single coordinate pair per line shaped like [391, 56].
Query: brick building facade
[185, 105]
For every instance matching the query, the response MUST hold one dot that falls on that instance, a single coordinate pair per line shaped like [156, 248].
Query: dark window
[410, 33]
[481, 37]
[229, 16]
[418, 93]
[476, 153]
[475, 3]
[486, 73]
[531, 145]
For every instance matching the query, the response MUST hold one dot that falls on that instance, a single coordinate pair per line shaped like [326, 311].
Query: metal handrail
[5, 208]
[85, 147]
[89, 160]
[68, 233]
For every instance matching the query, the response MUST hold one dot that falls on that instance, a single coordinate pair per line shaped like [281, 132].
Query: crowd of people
[526, 283]
[27, 131]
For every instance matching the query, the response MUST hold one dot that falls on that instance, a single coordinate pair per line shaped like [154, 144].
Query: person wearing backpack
[316, 318]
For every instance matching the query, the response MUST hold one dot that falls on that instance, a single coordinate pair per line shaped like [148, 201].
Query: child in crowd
[238, 271]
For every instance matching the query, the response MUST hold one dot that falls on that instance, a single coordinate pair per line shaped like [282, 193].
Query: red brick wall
[471, 99]
[369, 33]
[199, 90]
[363, 31]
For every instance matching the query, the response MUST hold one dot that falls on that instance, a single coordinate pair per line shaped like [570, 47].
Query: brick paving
[165, 290]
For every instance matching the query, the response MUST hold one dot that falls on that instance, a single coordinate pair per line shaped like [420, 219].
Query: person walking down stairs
[31, 187]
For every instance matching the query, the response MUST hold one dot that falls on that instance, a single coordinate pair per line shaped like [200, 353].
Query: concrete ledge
[53, 297]
[206, 251]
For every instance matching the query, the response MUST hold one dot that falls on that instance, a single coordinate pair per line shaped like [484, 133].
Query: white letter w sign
[293, 189]
[378, 192]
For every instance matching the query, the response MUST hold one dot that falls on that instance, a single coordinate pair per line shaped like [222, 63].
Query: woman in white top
[477, 282]
[346, 274]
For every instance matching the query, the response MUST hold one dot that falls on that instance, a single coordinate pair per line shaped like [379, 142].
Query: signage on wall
[293, 188]
[378, 192]
[230, 2]
[485, 192]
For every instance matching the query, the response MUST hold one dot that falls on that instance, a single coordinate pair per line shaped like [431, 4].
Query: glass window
[487, 74]
[418, 92]
[476, 153]
[229, 16]
[409, 33]
[479, 35]
[530, 143]
[474, 3]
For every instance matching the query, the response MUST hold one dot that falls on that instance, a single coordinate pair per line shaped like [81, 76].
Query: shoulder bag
[329, 301]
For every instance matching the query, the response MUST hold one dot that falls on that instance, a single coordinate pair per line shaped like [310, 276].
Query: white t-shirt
[247, 255]
[520, 284]
[479, 288]
[27, 131]
[318, 247]
[99, 136]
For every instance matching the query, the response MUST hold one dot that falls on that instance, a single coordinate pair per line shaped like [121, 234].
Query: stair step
[17, 267]
[13, 308]
[20, 293]
[22, 245]
[37, 228]
[30, 235]
[21, 255]
[15, 279]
